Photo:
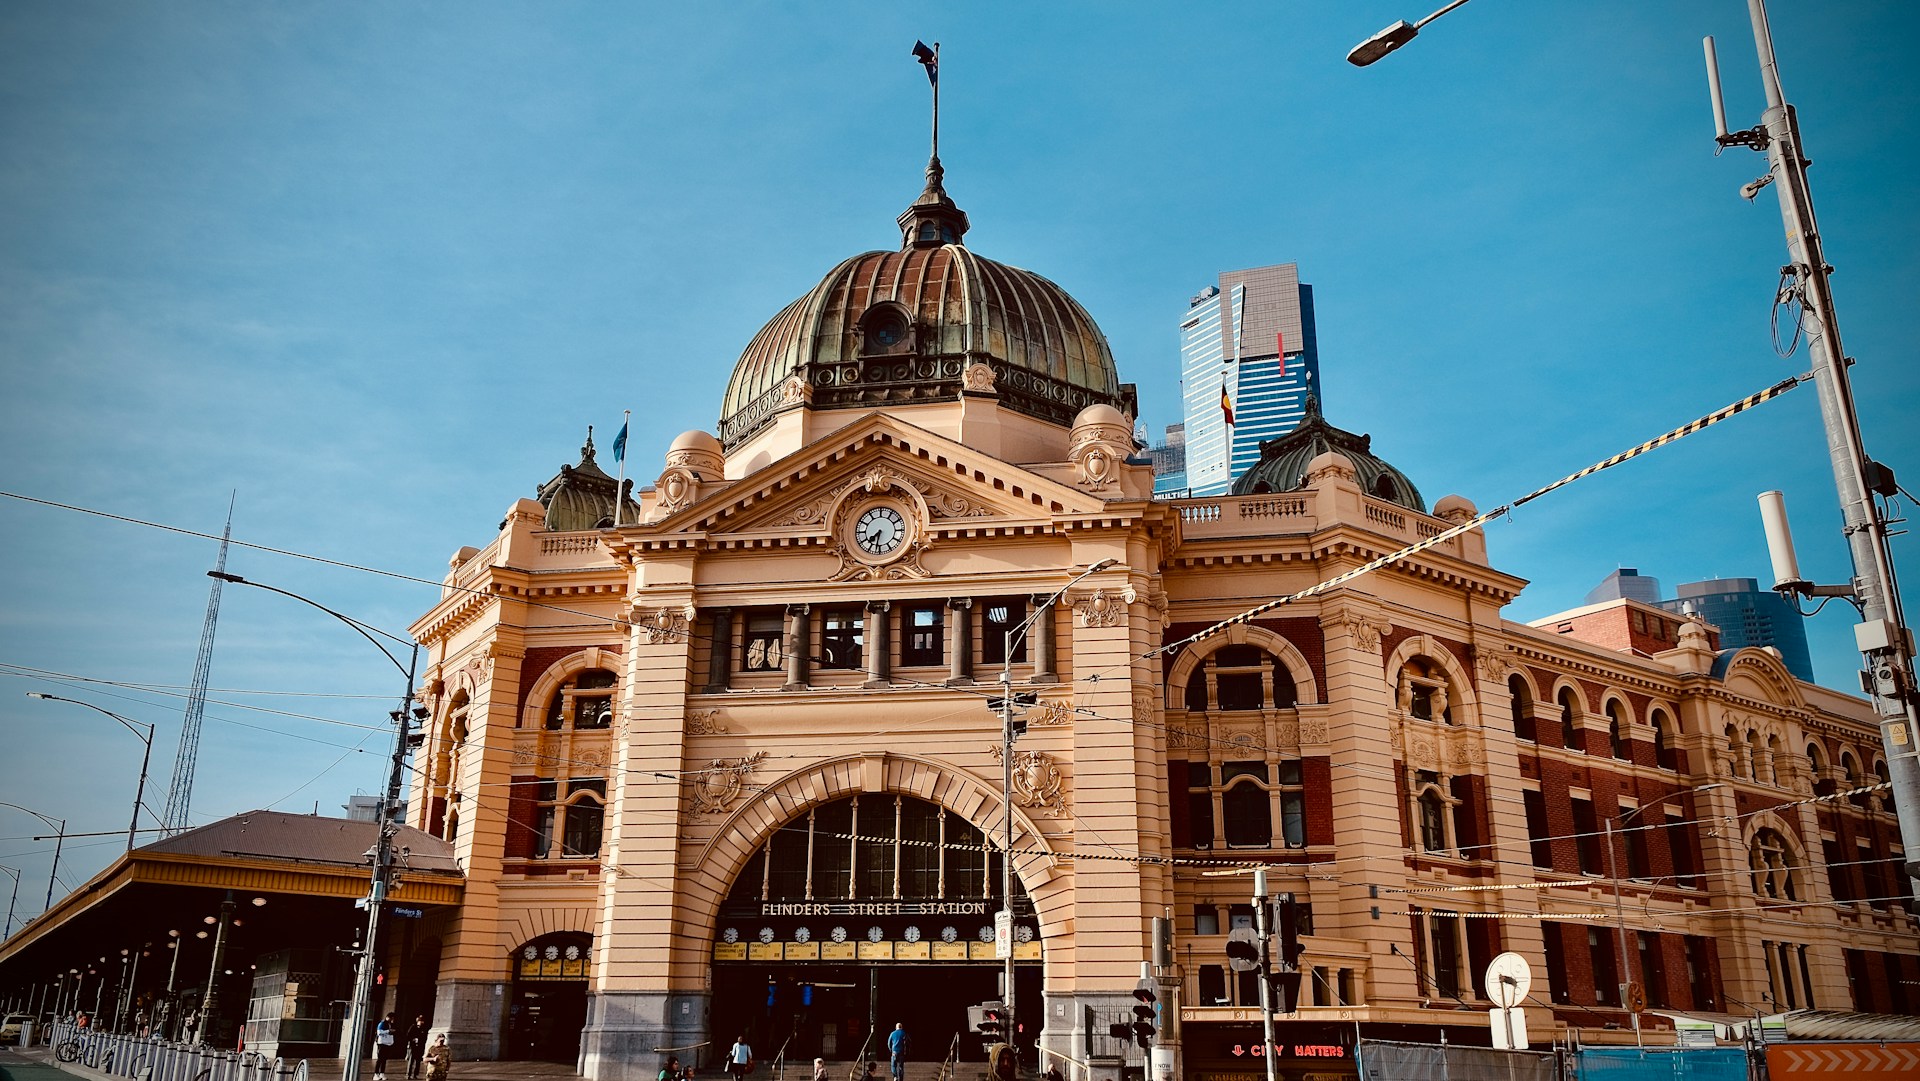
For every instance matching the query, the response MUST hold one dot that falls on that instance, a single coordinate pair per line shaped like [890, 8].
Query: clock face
[880, 530]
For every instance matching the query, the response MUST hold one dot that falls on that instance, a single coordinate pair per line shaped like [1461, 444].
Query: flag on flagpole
[929, 58]
[620, 460]
[1280, 343]
[1226, 405]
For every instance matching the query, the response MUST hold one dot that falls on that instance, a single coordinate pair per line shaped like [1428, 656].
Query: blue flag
[620, 445]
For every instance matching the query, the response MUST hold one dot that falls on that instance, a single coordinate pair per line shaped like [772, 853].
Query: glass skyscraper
[1231, 340]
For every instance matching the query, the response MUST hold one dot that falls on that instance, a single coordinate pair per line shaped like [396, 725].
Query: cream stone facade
[728, 767]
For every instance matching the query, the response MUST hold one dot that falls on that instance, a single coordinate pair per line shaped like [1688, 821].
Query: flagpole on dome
[620, 462]
[930, 58]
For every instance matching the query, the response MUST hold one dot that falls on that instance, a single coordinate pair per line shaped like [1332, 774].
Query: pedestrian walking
[819, 1069]
[385, 1037]
[897, 1043]
[740, 1058]
[670, 1071]
[416, 1045]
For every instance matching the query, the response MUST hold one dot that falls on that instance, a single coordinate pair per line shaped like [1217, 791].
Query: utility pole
[1882, 636]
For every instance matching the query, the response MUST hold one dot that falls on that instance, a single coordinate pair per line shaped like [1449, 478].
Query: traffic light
[1286, 971]
[1145, 1014]
[992, 1023]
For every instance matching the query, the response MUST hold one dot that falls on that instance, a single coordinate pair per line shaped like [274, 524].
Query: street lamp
[1007, 734]
[1619, 906]
[383, 850]
[1392, 38]
[140, 792]
[59, 837]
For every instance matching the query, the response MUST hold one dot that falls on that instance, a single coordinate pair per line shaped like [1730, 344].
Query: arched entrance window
[860, 913]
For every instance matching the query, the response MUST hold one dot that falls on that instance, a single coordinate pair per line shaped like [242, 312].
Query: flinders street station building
[717, 758]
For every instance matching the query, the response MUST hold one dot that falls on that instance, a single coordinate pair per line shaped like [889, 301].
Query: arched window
[1771, 862]
[1520, 702]
[1240, 677]
[1736, 756]
[1433, 817]
[1777, 761]
[1665, 755]
[1570, 721]
[1423, 691]
[876, 846]
[1246, 805]
[584, 701]
[1617, 732]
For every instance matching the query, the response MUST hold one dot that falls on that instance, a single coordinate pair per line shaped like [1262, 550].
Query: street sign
[406, 912]
[1509, 978]
[1243, 949]
[1003, 934]
[1509, 1028]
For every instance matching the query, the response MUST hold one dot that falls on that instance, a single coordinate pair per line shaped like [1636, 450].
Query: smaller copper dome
[1283, 462]
[581, 496]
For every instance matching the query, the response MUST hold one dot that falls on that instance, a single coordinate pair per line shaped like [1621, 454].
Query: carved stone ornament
[676, 488]
[589, 757]
[1179, 737]
[1037, 782]
[704, 722]
[1145, 706]
[664, 624]
[978, 378]
[1104, 608]
[1049, 715]
[1313, 732]
[796, 391]
[523, 751]
[904, 566]
[1098, 465]
[714, 789]
[940, 504]
[1490, 662]
[1367, 631]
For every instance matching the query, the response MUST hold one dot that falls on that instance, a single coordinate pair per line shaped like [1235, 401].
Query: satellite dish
[1509, 978]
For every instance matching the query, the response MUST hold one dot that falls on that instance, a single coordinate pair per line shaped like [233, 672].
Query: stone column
[879, 663]
[960, 640]
[1042, 636]
[799, 639]
[720, 658]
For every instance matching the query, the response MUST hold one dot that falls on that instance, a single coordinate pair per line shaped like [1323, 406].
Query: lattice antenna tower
[180, 793]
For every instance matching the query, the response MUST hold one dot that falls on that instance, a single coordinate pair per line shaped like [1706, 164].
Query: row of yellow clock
[869, 951]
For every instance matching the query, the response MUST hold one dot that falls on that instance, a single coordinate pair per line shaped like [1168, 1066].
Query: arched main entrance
[549, 1005]
[858, 914]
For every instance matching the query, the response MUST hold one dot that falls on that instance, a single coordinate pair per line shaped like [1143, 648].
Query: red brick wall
[1317, 773]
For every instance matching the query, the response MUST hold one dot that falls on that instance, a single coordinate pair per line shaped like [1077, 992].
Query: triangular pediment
[798, 493]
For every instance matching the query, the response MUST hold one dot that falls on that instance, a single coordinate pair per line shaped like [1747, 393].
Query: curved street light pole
[360, 1009]
[15, 872]
[1392, 38]
[1006, 784]
[59, 837]
[139, 793]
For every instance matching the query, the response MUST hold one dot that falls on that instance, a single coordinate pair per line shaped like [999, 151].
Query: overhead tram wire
[1681, 432]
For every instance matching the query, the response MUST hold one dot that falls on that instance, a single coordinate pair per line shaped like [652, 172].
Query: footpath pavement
[37, 1064]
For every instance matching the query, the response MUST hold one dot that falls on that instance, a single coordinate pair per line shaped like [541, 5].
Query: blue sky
[375, 267]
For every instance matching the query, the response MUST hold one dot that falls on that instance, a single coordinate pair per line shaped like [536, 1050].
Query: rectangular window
[1837, 877]
[1345, 987]
[1200, 803]
[1446, 953]
[1700, 973]
[1557, 988]
[841, 635]
[1213, 986]
[764, 647]
[546, 790]
[997, 618]
[923, 635]
[1653, 972]
[1246, 805]
[1635, 839]
[1293, 805]
[1606, 975]
[1806, 978]
[1206, 920]
[1537, 832]
[1238, 690]
[1588, 840]
[1680, 844]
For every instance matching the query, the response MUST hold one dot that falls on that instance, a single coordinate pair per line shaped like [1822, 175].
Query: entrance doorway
[843, 1013]
[549, 1006]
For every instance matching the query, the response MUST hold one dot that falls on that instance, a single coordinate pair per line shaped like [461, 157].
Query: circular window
[886, 329]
